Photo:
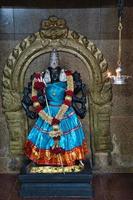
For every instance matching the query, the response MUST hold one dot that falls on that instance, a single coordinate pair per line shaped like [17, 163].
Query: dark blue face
[54, 73]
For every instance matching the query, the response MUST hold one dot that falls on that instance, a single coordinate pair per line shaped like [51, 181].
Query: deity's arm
[27, 102]
[79, 98]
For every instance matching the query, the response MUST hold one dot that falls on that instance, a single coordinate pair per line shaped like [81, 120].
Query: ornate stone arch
[54, 33]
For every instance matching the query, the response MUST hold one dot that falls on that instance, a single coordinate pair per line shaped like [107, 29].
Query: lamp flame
[118, 79]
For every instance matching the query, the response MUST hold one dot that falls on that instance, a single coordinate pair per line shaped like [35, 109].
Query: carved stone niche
[54, 33]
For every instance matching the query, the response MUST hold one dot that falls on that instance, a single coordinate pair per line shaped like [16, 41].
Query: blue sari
[39, 143]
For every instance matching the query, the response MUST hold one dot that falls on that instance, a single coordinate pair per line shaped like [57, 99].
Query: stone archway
[54, 33]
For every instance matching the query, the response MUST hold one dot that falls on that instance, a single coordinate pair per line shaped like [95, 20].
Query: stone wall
[100, 26]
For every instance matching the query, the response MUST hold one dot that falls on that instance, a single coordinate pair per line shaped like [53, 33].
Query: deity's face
[54, 73]
[54, 63]
[54, 66]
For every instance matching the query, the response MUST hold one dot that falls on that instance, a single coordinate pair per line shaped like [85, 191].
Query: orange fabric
[46, 157]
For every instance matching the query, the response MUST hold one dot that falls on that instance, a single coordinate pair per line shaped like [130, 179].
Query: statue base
[54, 170]
[74, 184]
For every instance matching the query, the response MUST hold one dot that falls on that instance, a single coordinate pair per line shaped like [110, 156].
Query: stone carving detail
[17, 128]
[11, 101]
[54, 33]
[53, 28]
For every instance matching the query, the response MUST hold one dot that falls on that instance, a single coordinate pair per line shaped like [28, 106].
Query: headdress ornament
[54, 59]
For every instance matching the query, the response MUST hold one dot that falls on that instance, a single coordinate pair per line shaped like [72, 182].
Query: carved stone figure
[57, 138]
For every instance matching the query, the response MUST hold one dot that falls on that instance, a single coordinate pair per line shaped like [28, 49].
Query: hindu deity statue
[57, 137]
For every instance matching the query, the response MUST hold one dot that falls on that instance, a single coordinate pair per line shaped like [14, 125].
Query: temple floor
[107, 187]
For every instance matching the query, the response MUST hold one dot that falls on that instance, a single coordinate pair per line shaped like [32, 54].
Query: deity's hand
[39, 83]
[38, 93]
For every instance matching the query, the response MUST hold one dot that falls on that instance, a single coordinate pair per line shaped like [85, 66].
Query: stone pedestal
[56, 185]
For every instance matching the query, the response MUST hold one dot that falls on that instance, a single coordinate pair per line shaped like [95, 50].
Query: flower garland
[38, 84]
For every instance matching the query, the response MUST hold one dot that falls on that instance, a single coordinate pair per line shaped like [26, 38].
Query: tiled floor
[107, 187]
